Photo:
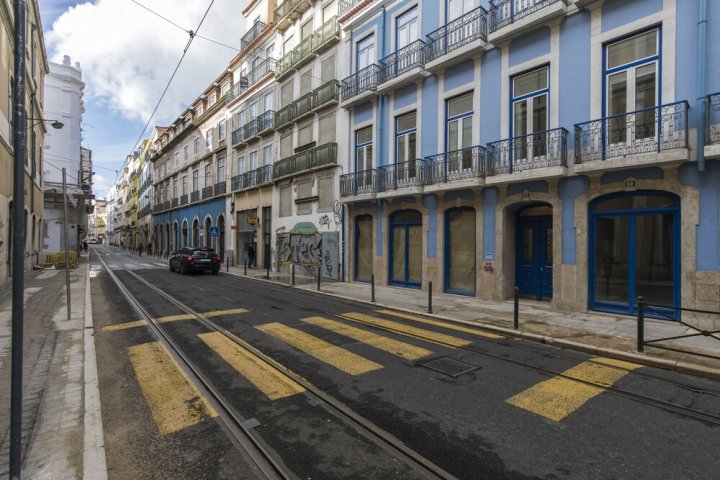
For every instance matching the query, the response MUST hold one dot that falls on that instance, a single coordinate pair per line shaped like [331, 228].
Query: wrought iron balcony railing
[407, 58]
[461, 31]
[455, 165]
[285, 63]
[175, 202]
[183, 199]
[358, 183]
[237, 89]
[250, 129]
[262, 69]
[401, 175]
[330, 30]
[286, 7]
[256, 178]
[285, 115]
[207, 192]
[327, 92]
[166, 205]
[505, 12]
[316, 157]
[238, 136]
[195, 196]
[359, 82]
[220, 188]
[346, 5]
[236, 182]
[653, 129]
[304, 104]
[536, 150]
[713, 118]
[266, 120]
[252, 34]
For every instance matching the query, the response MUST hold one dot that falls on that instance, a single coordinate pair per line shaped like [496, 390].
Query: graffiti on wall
[308, 252]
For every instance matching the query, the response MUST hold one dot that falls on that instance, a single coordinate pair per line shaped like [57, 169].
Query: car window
[204, 253]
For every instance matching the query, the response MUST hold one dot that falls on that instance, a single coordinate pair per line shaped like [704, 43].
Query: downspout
[342, 241]
[701, 84]
[381, 51]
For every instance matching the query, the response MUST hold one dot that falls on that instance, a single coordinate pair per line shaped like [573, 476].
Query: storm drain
[449, 366]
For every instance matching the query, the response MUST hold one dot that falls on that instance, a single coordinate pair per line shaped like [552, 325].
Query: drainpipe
[381, 51]
[342, 240]
[701, 83]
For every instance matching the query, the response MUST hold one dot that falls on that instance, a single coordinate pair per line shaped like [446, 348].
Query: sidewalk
[61, 422]
[592, 332]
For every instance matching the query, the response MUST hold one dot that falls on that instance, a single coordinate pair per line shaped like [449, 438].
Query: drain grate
[449, 366]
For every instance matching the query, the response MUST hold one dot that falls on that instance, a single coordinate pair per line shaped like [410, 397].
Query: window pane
[617, 93]
[530, 82]
[364, 248]
[654, 258]
[520, 118]
[406, 122]
[540, 113]
[636, 201]
[632, 49]
[453, 135]
[460, 105]
[645, 87]
[411, 146]
[466, 132]
[364, 136]
[611, 258]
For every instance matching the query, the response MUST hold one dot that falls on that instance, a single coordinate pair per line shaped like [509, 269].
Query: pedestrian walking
[251, 255]
[140, 249]
[149, 248]
[85, 245]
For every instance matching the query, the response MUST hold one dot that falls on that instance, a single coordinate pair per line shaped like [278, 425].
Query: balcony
[262, 125]
[405, 66]
[458, 40]
[166, 205]
[303, 105]
[236, 182]
[712, 139]
[183, 199]
[358, 183]
[649, 136]
[194, 196]
[410, 174]
[526, 154]
[326, 94]
[322, 97]
[309, 48]
[252, 35]
[285, 115]
[306, 161]
[264, 68]
[252, 179]
[289, 11]
[360, 86]
[220, 188]
[207, 192]
[464, 165]
[237, 90]
[511, 18]
[175, 202]
[238, 137]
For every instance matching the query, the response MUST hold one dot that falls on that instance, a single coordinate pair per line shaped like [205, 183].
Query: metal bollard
[318, 280]
[267, 274]
[640, 324]
[246, 267]
[372, 288]
[429, 297]
[227, 264]
[516, 308]
[293, 274]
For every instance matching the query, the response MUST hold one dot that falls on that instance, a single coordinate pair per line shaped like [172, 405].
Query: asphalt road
[477, 406]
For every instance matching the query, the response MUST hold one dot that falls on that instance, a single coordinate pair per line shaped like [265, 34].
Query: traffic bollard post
[516, 307]
[227, 264]
[246, 267]
[318, 279]
[372, 288]
[293, 274]
[429, 308]
[640, 324]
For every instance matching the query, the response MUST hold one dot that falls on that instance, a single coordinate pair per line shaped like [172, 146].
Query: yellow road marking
[338, 357]
[172, 318]
[174, 401]
[558, 397]
[401, 349]
[449, 326]
[408, 330]
[268, 380]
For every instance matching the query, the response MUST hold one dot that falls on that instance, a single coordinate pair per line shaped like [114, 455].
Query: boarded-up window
[304, 191]
[305, 134]
[326, 127]
[364, 255]
[286, 144]
[286, 201]
[286, 93]
[306, 82]
[461, 242]
[326, 194]
[327, 69]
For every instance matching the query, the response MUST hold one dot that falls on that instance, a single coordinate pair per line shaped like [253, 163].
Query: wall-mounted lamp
[57, 125]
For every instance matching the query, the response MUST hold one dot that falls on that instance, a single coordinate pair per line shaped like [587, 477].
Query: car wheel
[182, 269]
[215, 272]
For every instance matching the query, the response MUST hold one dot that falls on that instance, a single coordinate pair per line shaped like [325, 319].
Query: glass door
[406, 249]
[529, 115]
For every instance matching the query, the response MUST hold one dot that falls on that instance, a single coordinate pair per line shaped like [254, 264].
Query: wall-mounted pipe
[700, 110]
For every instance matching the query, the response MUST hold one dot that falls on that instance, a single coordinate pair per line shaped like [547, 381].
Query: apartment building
[189, 174]
[566, 148]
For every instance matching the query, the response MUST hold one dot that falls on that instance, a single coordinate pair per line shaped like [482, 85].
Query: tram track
[267, 462]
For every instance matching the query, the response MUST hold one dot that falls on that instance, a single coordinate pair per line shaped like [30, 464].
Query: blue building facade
[568, 148]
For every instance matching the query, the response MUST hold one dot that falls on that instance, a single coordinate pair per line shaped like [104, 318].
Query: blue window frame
[529, 113]
[457, 8]
[405, 265]
[365, 53]
[458, 122]
[406, 30]
[363, 149]
[405, 137]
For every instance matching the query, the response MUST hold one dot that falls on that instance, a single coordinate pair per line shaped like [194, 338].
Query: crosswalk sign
[214, 231]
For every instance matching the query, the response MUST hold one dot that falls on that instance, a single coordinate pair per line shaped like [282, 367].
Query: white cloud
[127, 54]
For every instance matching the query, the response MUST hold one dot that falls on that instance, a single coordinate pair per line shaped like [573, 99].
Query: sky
[128, 54]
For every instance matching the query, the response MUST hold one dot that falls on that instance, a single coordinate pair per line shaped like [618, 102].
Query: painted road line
[401, 349]
[324, 351]
[449, 326]
[408, 329]
[268, 380]
[558, 397]
[173, 399]
[172, 318]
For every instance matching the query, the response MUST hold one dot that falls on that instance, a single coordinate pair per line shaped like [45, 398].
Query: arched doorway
[196, 233]
[363, 248]
[208, 238]
[460, 250]
[221, 237]
[406, 248]
[168, 247]
[634, 251]
[185, 233]
[534, 251]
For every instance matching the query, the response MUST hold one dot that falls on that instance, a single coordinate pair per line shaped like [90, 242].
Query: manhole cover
[450, 367]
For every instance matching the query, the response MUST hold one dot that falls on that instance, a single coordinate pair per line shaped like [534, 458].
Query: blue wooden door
[534, 257]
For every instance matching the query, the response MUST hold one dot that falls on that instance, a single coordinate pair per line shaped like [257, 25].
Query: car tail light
[217, 257]
[191, 258]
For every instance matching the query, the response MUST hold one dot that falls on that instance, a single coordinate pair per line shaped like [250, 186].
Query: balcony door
[459, 114]
[458, 8]
[529, 116]
[407, 28]
[364, 160]
[365, 55]
[632, 93]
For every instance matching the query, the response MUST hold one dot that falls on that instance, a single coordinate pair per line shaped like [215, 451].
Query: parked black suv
[195, 259]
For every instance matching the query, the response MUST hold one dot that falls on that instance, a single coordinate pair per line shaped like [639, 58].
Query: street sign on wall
[214, 231]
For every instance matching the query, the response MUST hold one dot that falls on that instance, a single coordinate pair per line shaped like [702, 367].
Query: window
[288, 45]
[267, 155]
[327, 69]
[305, 134]
[254, 109]
[186, 152]
[365, 52]
[221, 130]
[326, 128]
[221, 169]
[306, 82]
[363, 149]
[326, 194]
[211, 100]
[195, 177]
[286, 93]
[270, 51]
[196, 146]
[286, 144]
[174, 194]
[329, 10]
[285, 201]
[225, 88]
[406, 130]
[459, 122]
[306, 30]
[304, 190]
[407, 28]
[269, 101]
[208, 139]
[208, 175]
[458, 8]
[253, 160]
[240, 165]
[530, 112]
[184, 185]
[199, 110]
[177, 161]
[631, 79]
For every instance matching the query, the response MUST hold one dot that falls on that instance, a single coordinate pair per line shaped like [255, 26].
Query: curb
[640, 358]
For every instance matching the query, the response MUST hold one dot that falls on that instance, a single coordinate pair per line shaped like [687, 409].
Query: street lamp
[56, 124]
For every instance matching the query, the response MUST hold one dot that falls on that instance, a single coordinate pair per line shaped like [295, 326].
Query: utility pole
[18, 241]
[65, 242]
